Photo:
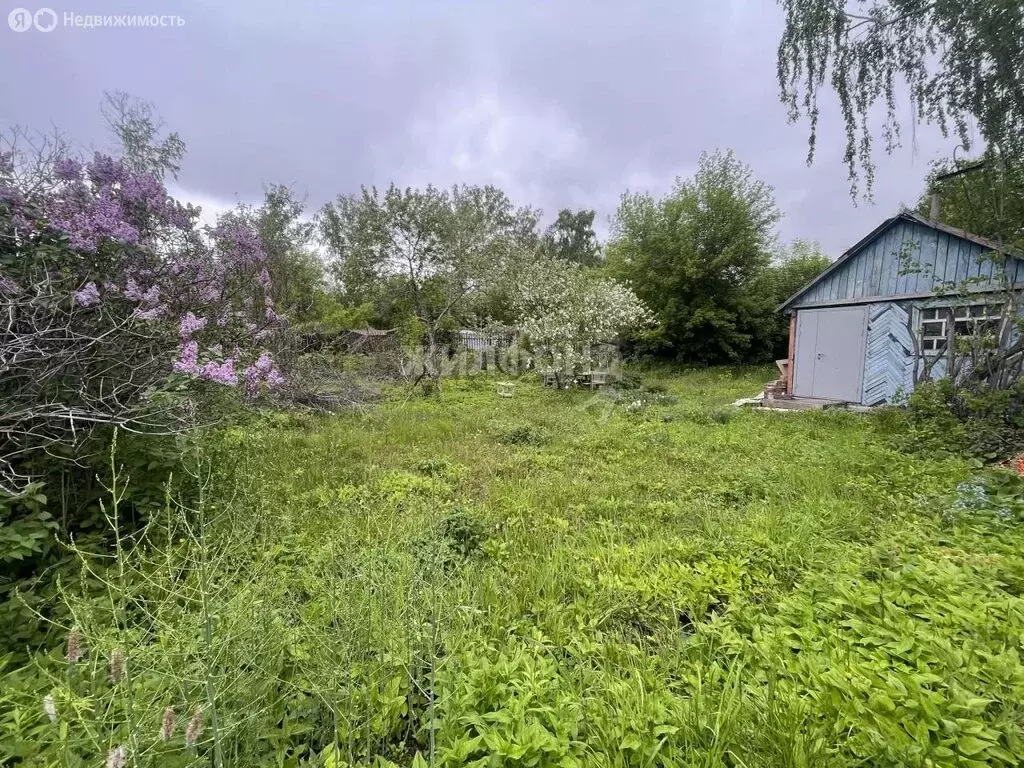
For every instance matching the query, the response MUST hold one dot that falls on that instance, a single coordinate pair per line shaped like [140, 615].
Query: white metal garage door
[829, 359]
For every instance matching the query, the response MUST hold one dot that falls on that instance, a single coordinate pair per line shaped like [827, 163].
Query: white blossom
[564, 310]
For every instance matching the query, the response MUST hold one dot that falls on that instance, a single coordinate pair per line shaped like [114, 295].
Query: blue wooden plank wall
[874, 271]
[889, 354]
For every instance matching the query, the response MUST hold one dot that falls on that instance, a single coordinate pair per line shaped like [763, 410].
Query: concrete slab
[802, 404]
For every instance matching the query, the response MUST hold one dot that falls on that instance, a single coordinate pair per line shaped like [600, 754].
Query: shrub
[976, 421]
[526, 434]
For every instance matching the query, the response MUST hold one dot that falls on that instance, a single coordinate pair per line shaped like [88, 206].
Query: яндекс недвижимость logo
[22, 19]
[46, 20]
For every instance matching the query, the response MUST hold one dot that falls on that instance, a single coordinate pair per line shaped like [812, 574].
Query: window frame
[967, 315]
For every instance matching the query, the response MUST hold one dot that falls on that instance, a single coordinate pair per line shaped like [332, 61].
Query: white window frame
[967, 318]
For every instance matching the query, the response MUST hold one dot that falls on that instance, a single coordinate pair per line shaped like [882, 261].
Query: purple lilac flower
[188, 358]
[210, 291]
[131, 290]
[68, 169]
[262, 370]
[181, 216]
[105, 171]
[251, 377]
[152, 295]
[190, 324]
[221, 373]
[11, 194]
[87, 223]
[144, 189]
[264, 363]
[21, 221]
[149, 314]
[87, 295]
[241, 241]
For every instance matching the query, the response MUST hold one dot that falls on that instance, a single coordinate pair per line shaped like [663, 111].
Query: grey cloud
[562, 103]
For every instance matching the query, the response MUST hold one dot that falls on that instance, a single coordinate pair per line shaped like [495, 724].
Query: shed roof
[905, 215]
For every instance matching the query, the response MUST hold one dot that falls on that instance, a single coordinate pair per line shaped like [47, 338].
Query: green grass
[563, 579]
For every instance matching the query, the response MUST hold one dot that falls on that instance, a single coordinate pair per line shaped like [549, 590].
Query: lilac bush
[111, 288]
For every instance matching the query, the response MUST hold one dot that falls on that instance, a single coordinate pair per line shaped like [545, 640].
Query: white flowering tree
[565, 310]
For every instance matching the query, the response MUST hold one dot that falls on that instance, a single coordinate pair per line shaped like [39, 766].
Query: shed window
[967, 321]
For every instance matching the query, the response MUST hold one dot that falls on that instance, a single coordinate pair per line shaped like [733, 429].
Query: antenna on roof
[937, 196]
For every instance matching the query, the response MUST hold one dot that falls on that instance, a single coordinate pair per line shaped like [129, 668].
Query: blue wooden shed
[860, 331]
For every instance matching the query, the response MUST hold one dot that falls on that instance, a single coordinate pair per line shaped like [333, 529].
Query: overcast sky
[563, 103]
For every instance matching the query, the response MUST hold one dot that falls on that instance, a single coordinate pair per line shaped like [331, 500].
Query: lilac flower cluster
[88, 224]
[68, 169]
[105, 171]
[190, 324]
[153, 313]
[220, 373]
[188, 359]
[241, 241]
[217, 287]
[88, 295]
[105, 200]
[262, 371]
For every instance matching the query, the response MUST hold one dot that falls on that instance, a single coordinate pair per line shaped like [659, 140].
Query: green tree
[437, 249]
[138, 128]
[297, 286]
[572, 238]
[988, 201]
[960, 62]
[793, 268]
[299, 275]
[697, 259]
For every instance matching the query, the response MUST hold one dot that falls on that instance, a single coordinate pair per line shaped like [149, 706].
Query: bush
[526, 434]
[65, 505]
[977, 421]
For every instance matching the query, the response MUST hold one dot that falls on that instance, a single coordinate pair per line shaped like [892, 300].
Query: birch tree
[951, 63]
